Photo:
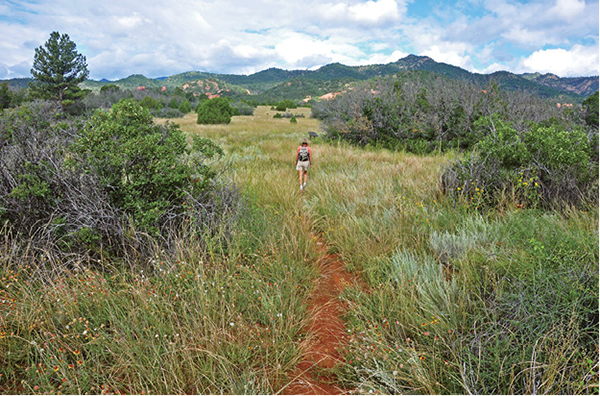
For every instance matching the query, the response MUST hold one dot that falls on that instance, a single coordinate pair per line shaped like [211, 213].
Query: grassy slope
[458, 303]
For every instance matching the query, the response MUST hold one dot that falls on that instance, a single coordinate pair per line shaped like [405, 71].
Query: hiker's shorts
[302, 165]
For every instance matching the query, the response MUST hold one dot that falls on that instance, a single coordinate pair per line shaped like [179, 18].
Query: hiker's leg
[300, 175]
[305, 176]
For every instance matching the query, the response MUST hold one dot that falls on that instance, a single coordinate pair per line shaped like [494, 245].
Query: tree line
[543, 153]
[94, 175]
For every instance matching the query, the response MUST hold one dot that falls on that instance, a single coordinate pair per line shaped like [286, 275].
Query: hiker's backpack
[303, 154]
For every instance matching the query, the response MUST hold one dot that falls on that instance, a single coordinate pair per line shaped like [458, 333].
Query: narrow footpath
[326, 332]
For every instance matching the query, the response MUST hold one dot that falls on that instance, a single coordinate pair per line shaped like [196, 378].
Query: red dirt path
[326, 331]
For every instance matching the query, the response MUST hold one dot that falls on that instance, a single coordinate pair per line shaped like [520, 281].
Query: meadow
[455, 300]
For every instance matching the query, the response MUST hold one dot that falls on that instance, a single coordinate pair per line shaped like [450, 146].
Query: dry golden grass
[361, 200]
[378, 209]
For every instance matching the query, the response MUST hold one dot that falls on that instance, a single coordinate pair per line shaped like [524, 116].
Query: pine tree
[57, 70]
[5, 96]
[215, 111]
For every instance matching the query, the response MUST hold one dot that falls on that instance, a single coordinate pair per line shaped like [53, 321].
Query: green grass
[229, 325]
[457, 302]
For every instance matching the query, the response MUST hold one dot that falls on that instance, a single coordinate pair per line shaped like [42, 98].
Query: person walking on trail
[303, 162]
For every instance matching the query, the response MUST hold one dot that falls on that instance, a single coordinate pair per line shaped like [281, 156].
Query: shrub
[109, 88]
[137, 161]
[214, 111]
[5, 96]
[185, 106]
[167, 112]
[286, 104]
[43, 195]
[242, 109]
[106, 186]
[149, 102]
[546, 165]
[293, 120]
[404, 110]
[591, 110]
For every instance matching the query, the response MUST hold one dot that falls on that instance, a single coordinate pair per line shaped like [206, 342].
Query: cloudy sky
[159, 38]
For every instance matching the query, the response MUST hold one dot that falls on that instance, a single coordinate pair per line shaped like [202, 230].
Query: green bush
[105, 186]
[286, 104]
[185, 106]
[44, 195]
[591, 110]
[149, 102]
[393, 112]
[137, 161]
[242, 109]
[109, 88]
[167, 112]
[546, 165]
[215, 111]
[5, 96]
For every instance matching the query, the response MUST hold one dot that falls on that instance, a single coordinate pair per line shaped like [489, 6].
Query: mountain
[584, 86]
[18, 83]
[548, 86]
[277, 84]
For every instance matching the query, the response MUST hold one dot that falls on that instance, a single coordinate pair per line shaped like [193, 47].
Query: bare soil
[326, 331]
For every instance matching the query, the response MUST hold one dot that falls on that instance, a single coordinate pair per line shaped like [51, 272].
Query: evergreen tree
[215, 111]
[57, 70]
[591, 107]
[5, 96]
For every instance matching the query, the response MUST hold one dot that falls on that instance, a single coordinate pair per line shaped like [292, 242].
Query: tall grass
[200, 318]
[461, 302]
[456, 301]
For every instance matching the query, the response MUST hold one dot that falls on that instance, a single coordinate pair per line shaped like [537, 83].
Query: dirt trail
[326, 330]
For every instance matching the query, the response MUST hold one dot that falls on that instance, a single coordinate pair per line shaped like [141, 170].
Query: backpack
[303, 154]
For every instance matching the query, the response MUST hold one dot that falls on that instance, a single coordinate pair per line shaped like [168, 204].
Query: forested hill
[278, 84]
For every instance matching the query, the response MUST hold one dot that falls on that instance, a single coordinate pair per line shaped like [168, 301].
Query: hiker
[303, 162]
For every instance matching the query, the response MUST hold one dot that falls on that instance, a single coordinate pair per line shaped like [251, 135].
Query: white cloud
[523, 36]
[376, 11]
[154, 38]
[577, 61]
[568, 9]
[130, 22]
[494, 67]
[451, 53]
[379, 59]
[429, 41]
[14, 71]
[372, 12]
[299, 50]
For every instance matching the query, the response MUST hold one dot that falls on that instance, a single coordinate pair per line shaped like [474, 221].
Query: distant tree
[150, 103]
[214, 111]
[5, 96]
[57, 71]
[109, 88]
[591, 106]
[185, 106]
[286, 104]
